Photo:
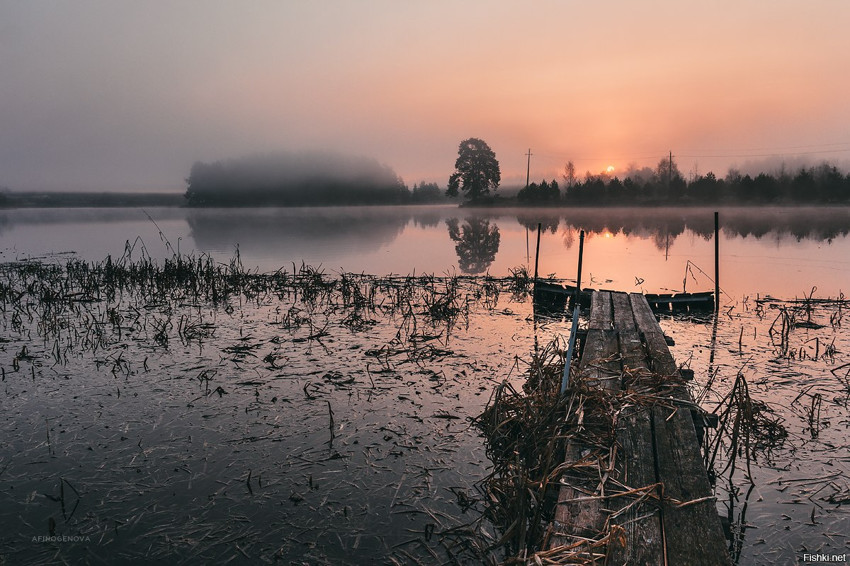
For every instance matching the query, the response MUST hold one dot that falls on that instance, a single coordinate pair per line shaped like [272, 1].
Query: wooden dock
[651, 493]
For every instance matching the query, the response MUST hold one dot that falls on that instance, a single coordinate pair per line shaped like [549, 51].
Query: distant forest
[301, 179]
[316, 179]
[322, 179]
[822, 184]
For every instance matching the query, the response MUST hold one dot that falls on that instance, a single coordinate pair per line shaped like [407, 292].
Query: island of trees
[301, 179]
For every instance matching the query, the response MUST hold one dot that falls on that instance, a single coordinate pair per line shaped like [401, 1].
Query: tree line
[820, 184]
[477, 175]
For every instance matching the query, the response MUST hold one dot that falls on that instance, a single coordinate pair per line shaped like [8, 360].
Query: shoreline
[29, 200]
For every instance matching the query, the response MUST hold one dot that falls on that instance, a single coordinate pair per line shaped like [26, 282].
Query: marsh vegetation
[187, 408]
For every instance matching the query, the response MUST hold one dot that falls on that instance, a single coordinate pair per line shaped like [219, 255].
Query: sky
[126, 95]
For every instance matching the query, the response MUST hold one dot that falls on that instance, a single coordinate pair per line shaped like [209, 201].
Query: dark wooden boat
[553, 298]
[703, 301]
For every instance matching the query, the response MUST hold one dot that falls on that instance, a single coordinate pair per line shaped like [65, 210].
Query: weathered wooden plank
[660, 359]
[601, 314]
[692, 531]
[679, 462]
[599, 363]
[635, 468]
[635, 465]
[575, 518]
[624, 318]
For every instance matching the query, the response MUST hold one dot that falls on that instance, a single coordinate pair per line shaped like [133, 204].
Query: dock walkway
[650, 491]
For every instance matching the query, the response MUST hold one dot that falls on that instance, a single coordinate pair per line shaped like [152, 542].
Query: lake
[784, 252]
[283, 424]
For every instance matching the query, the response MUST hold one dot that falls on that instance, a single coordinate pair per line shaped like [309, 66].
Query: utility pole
[527, 176]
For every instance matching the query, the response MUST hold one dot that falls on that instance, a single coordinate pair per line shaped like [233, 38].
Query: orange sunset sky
[122, 95]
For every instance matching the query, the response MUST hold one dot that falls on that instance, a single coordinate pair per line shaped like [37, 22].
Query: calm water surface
[779, 251]
[125, 441]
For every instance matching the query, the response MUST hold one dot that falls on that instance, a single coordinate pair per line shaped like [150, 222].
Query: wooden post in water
[716, 261]
[580, 255]
[565, 380]
[537, 253]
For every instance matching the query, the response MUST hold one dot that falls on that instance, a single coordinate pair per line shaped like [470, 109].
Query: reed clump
[81, 305]
[522, 430]
[746, 427]
[803, 314]
[540, 441]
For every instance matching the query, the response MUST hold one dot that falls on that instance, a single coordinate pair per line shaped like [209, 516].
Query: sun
[609, 169]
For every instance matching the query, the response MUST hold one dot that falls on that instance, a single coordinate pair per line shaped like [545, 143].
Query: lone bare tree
[569, 174]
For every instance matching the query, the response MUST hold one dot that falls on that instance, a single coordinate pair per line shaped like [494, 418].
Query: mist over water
[286, 179]
[779, 251]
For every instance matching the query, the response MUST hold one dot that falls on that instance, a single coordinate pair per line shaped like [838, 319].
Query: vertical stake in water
[537, 253]
[716, 261]
[565, 381]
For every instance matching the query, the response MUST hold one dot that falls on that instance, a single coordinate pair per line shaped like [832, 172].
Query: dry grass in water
[122, 315]
[530, 434]
[746, 427]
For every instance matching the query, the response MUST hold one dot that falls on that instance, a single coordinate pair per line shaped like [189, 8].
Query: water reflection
[10, 219]
[530, 220]
[90, 233]
[736, 520]
[428, 217]
[476, 243]
[310, 234]
[659, 224]
[775, 250]
[664, 225]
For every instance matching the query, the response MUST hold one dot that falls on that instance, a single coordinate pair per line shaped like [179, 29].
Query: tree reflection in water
[476, 243]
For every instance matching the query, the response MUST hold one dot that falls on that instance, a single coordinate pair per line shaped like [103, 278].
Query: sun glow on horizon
[609, 169]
